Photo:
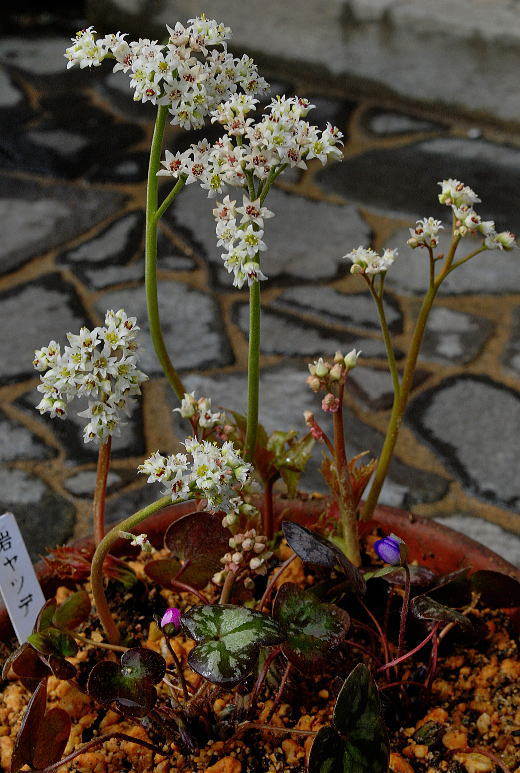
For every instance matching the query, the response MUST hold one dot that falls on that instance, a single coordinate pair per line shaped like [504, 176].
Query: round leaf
[313, 630]
[31, 723]
[103, 681]
[141, 663]
[45, 615]
[229, 638]
[198, 540]
[26, 663]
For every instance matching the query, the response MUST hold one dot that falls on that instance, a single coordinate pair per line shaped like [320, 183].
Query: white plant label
[19, 586]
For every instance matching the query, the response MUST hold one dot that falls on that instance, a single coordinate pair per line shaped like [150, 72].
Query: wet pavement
[72, 185]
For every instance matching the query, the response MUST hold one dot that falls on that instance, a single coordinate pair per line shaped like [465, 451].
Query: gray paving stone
[30, 316]
[511, 356]
[295, 237]
[17, 442]
[284, 397]
[192, 328]
[83, 483]
[63, 142]
[126, 504]
[374, 386]
[40, 56]
[44, 518]
[503, 542]
[118, 240]
[281, 335]
[404, 180]
[69, 431]
[10, 96]
[454, 337]
[329, 305]
[39, 217]
[491, 272]
[389, 122]
[472, 423]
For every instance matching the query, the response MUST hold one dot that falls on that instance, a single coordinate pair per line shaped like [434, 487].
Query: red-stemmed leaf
[52, 738]
[29, 729]
[313, 630]
[426, 608]
[74, 611]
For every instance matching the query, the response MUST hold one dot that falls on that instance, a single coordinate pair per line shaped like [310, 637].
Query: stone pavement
[72, 186]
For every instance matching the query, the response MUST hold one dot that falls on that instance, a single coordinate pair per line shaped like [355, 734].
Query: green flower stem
[253, 370]
[378, 299]
[401, 398]
[103, 466]
[151, 252]
[468, 257]
[179, 185]
[347, 511]
[102, 550]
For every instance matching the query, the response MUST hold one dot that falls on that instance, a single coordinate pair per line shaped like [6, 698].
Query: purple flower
[171, 621]
[390, 549]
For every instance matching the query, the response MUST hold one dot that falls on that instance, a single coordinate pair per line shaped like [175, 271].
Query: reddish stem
[175, 584]
[273, 581]
[362, 649]
[100, 492]
[401, 683]
[410, 653]
[404, 610]
[280, 692]
[374, 619]
[262, 675]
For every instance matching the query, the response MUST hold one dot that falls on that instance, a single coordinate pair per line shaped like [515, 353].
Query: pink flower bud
[171, 621]
[330, 403]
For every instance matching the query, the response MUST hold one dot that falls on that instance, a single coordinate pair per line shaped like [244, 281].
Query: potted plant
[190, 655]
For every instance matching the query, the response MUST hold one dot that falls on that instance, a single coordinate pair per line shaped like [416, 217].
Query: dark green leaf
[229, 638]
[54, 642]
[426, 608]
[496, 590]
[312, 548]
[358, 720]
[60, 667]
[420, 576]
[103, 681]
[326, 752]
[141, 663]
[74, 611]
[198, 541]
[312, 629]
[31, 723]
[380, 572]
[52, 738]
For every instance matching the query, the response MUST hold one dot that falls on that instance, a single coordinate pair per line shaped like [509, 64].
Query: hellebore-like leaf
[52, 738]
[197, 542]
[74, 611]
[426, 608]
[131, 684]
[496, 590]
[312, 629]
[31, 723]
[326, 754]
[228, 640]
[51, 641]
[312, 548]
[359, 741]
[420, 576]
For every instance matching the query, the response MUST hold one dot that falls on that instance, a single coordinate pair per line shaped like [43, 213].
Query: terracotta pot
[440, 548]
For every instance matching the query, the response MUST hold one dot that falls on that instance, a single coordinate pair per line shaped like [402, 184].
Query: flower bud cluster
[425, 233]
[251, 152]
[213, 472]
[461, 198]
[184, 74]
[366, 261]
[237, 507]
[248, 550]
[199, 411]
[324, 375]
[99, 364]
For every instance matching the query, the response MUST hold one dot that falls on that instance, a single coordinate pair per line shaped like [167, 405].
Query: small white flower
[425, 233]
[367, 261]
[351, 359]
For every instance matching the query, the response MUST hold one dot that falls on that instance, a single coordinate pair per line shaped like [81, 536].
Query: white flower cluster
[461, 199]
[248, 154]
[425, 233]
[182, 74]
[199, 411]
[367, 261]
[214, 472]
[249, 551]
[99, 364]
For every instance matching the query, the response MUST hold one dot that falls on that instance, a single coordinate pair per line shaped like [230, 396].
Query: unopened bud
[338, 357]
[351, 359]
[321, 368]
[336, 372]
[247, 544]
[314, 383]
